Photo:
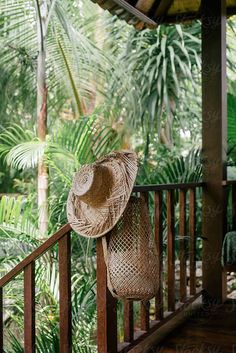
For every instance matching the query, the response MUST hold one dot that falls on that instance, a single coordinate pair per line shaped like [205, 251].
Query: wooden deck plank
[206, 331]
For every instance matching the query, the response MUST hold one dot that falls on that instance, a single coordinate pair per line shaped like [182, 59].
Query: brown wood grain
[65, 294]
[29, 308]
[128, 321]
[106, 308]
[214, 144]
[182, 233]
[171, 250]
[158, 228]
[141, 337]
[163, 8]
[209, 330]
[192, 245]
[144, 315]
[164, 187]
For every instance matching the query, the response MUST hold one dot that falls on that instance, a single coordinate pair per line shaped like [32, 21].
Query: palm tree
[45, 32]
[157, 65]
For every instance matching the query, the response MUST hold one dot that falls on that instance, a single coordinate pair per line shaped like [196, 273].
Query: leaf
[231, 102]
[26, 155]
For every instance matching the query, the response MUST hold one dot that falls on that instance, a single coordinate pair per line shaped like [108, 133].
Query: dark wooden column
[214, 143]
[106, 307]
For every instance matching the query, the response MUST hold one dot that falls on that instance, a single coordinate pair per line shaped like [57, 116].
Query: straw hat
[100, 192]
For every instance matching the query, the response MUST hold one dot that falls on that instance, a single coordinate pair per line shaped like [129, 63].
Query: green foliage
[232, 123]
[171, 168]
[157, 63]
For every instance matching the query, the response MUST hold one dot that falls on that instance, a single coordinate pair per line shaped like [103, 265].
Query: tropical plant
[18, 237]
[47, 38]
[71, 145]
[158, 63]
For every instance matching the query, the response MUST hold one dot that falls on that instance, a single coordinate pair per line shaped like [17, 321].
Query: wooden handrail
[228, 182]
[165, 187]
[107, 305]
[27, 266]
[35, 254]
[165, 199]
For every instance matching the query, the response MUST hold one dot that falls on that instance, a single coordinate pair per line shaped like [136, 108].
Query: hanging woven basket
[131, 256]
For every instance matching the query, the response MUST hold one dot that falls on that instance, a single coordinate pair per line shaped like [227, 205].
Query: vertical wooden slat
[106, 307]
[182, 233]
[128, 321]
[192, 245]
[144, 312]
[65, 293]
[234, 207]
[171, 249]
[145, 305]
[29, 308]
[158, 224]
[1, 320]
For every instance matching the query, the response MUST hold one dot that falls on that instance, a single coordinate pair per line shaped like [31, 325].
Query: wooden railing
[163, 201]
[27, 266]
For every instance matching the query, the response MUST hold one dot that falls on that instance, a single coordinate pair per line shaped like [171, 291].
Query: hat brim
[94, 222]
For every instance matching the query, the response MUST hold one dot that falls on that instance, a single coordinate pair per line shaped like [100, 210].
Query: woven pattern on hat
[96, 220]
[132, 264]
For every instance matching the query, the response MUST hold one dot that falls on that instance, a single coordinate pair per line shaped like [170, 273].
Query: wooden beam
[145, 5]
[214, 139]
[163, 8]
[132, 10]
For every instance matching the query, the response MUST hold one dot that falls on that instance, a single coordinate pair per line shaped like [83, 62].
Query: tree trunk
[42, 119]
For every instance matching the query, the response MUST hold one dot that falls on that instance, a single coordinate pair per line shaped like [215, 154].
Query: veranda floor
[205, 332]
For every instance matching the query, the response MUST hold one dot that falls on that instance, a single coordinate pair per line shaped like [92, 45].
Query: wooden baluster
[182, 232]
[29, 308]
[1, 320]
[171, 250]
[158, 224]
[234, 206]
[106, 307]
[128, 321]
[192, 246]
[145, 305]
[65, 293]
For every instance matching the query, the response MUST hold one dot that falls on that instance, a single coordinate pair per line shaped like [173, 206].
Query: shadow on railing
[165, 203]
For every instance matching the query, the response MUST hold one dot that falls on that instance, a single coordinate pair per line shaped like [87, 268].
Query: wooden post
[106, 306]
[214, 109]
[65, 294]
[29, 308]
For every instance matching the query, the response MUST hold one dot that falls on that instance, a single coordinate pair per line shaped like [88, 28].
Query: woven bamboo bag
[131, 256]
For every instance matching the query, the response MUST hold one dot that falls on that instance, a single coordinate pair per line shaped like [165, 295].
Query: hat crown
[83, 180]
[92, 184]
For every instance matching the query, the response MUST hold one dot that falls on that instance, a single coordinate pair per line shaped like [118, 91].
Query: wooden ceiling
[150, 13]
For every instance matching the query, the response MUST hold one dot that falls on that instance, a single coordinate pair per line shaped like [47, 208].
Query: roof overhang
[151, 13]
